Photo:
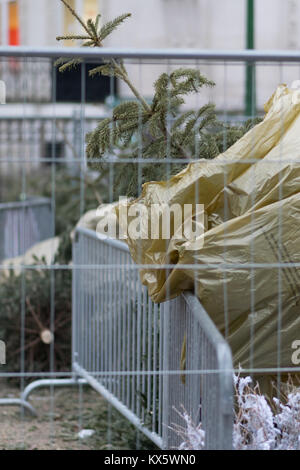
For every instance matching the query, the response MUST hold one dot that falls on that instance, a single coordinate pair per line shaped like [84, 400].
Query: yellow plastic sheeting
[252, 215]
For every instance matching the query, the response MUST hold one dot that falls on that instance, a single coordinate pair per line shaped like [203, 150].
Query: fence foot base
[23, 401]
[18, 402]
[50, 383]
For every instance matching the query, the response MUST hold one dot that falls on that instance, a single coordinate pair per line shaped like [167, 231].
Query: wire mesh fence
[148, 359]
[33, 136]
[118, 332]
[23, 225]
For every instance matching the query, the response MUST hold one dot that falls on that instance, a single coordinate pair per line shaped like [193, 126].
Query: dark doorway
[68, 86]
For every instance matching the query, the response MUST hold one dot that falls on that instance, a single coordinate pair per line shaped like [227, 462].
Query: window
[69, 86]
[10, 22]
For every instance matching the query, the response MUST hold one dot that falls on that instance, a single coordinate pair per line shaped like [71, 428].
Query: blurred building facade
[157, 23]
[29, 121]
[202, 24]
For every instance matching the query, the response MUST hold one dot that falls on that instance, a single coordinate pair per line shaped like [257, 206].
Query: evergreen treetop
[158, 130]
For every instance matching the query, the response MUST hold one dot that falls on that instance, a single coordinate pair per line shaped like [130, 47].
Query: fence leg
[50, 383]
[18, 402]
[23, 400]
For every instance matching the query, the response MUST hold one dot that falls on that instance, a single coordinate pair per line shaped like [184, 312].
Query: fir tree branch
[72, 37]
[105, 31]
[109, 27]
[67, 64]
[123, 73]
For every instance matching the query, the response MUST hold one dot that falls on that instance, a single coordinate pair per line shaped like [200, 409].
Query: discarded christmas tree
[158, 130]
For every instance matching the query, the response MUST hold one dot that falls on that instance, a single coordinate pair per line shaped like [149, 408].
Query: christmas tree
[152, 131]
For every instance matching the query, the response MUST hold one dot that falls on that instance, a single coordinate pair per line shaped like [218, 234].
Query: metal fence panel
[24, 224]
[129, 349]
[205, 391]
[29, 142]
[124, 346]
[116, 330]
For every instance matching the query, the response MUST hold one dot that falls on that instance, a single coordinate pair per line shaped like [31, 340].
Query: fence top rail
[167, 54]
[50, 118]
[104, 239]
[41, 201]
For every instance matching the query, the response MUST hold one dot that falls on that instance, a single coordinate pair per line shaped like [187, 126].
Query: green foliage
[39, 285]
[37, 308]
[222, 138]
[65, 64]
[123, 435]
[109, 27]
[94, 33]
[153, 129]
[72, 192]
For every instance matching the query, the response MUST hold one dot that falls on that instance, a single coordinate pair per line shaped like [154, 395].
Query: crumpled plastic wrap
[252, 224]
[46, 249]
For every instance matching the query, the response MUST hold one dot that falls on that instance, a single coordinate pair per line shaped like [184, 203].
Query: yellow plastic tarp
[252, 225]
